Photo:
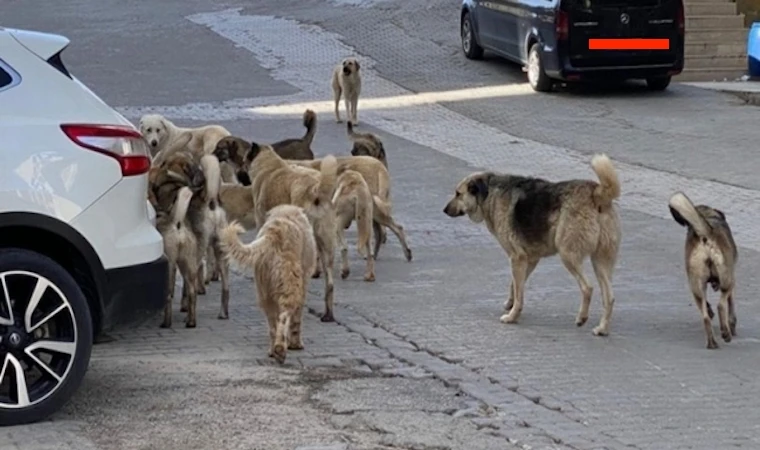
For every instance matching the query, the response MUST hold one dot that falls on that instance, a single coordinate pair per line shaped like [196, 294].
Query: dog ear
[243, 178]
[163, 123]
[356, 63]
[478, 188]
[381, 153]
[253, 153]
[720, 213]
[678, 217]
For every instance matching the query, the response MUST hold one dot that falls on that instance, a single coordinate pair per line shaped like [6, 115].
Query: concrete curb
[749, 91]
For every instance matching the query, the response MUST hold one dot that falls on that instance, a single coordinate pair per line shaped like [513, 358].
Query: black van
[551, 38]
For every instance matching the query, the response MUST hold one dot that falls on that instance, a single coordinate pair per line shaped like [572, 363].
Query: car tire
[469, 43]
[658, 84]
[537, 78]
[45, 324]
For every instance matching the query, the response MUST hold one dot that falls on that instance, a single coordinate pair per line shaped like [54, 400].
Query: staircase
[716, 41]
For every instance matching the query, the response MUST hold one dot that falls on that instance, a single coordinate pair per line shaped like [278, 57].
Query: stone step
[724, 49]
[711, 8]
[708, 22]
[724, 73]
[714, 62]
[723, 35]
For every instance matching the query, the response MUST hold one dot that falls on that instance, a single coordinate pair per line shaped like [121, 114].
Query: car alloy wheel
[38, 339]
[466, 36]
[534, 68]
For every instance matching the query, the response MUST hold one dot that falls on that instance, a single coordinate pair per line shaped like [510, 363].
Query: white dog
[347, 80]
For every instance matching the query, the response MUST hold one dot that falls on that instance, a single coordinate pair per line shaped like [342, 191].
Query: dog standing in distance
[282, 258]
[347, 81]
[534, 218]
[711, 257]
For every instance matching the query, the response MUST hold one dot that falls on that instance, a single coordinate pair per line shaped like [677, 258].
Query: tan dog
[275, 182]
[282, 258]
[534, 218]
[711, 257]
[347, 81]
[180, 247]
[366, 144]
[353, 201]
[378, 179]
[237, 201]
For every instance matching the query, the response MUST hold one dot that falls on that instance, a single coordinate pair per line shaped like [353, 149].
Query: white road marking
[304, 56]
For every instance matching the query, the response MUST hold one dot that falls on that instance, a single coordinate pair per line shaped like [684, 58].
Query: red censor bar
[629, 44]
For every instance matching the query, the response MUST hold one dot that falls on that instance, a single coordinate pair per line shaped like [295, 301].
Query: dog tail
[609, 184]
[310, 122]
[329, 178]
[181, 206]
[213, 173]
[684, 212]
[244, 255]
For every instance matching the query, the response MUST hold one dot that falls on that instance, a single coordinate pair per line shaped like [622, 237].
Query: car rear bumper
[135, 293]
[559, 67]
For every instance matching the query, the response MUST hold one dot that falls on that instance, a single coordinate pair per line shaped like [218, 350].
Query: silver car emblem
[625, 18]
[14, 339]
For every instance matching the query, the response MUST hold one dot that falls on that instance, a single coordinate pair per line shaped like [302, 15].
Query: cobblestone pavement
[418, 359]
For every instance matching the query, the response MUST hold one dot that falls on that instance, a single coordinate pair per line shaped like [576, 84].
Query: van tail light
[681, 20]
[562, 25]
[121, 143]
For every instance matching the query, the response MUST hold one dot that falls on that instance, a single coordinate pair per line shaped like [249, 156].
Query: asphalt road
[419, 359]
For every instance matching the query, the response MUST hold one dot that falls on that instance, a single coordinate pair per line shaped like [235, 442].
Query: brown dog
[275, 182]
[282, 258]
[353, 201]
[534, 218]
[711, 257]
[347, 81]
[180, 247]
[366, 144]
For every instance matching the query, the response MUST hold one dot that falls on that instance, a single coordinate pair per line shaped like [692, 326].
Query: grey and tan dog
[366, 144]
[347, 82]
[533, 218]
[711, 256]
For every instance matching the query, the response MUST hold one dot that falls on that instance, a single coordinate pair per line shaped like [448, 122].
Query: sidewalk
[749, 91]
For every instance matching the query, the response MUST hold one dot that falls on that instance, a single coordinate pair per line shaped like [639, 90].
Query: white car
[79, 252]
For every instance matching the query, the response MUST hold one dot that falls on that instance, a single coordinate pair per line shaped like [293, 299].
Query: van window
[8, 77]
[5, 78]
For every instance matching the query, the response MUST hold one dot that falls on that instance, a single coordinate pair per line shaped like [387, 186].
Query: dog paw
[279, 353]
[601, 331]
[202, 290]
[190, 324]
[580, 321]
[327, 317]
[726, 335]
[408, 254]
[711, 344]
[507, 318]
[369, 277]
[295, 346]
[165, 324]
[222, 316]
[344, 273]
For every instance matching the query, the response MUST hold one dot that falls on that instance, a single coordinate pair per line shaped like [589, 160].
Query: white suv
[79, 252]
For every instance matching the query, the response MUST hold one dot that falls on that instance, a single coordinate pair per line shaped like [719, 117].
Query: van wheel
[537, 78]
[469, 44]
[658, 84]
[45, 336]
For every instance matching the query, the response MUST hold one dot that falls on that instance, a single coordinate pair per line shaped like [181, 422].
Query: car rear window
[8, 77]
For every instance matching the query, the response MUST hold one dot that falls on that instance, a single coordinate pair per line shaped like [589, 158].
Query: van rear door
[589, 19]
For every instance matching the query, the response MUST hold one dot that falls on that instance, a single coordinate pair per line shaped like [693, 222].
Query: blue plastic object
[753, 50]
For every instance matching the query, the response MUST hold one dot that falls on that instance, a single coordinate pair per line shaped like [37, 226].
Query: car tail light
[681, 20]
[562, 25]
[121, 143]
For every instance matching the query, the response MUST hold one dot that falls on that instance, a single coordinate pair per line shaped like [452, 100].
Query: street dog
[282, 258]
[711, 257]
[180, 247]
[378, 180]
[533, 218]
[299, 148]
[162, 134]
[237, 202]
[353, 201]
[347, 81]
[366, 144]
[204, 216]
[275, 182]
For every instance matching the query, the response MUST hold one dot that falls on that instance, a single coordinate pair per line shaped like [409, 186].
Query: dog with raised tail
[282, 258]
[711, 256]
